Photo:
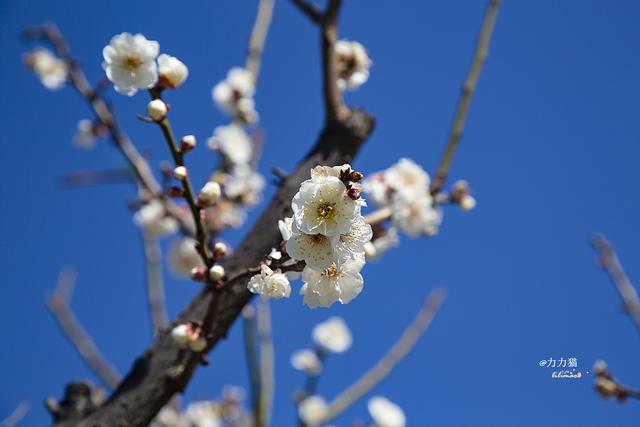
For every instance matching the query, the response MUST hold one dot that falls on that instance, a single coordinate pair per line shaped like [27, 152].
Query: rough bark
[164, 369]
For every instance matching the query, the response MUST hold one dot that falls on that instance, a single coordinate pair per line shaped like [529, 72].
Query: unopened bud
[216, 273]
[198, 344]
[355, 176]
[219, 250]
[181, 334]
[467, 202]
[209, 194]
[198, 274]
[600, 368]
[353, 193]
[180, 173]
[187, 143]
[370, 250]
[157, 109]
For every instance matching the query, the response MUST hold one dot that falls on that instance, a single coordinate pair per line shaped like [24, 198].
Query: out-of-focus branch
[253, 360]
[399, 350]
[17, 415]
[155, 281]
[610, 262]
[609, 387]
[259, 36]
[59, 306]
[468, 89]
[335, 109]
[105, 115]
[267, 382]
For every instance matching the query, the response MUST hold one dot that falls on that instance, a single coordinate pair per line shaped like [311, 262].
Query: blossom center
[132, 61]
[325, 210]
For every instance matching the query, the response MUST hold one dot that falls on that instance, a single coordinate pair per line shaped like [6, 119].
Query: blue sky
[550, 149]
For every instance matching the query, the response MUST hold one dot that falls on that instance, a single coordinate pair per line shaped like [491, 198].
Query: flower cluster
[130, 64]
[353, 64]
[328, 233]
[227, 411]
[330, 336]
[51, 70]
[234, 95]
[155, 220]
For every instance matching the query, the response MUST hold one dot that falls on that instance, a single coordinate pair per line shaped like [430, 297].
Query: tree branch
[60, 309]
[259, 36]
[309, 9]
[17, 415]
[400, 349]
[468, 89]
[155, 282]
[265, 343]
[610, 262]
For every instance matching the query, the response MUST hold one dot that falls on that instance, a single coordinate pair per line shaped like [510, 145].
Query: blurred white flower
[154, 219]
[245, 184]
[230, 214]
[85, 136]
[385, 413]
[313, 410]
[407, 176]
[204, 414]
[351, 245]
[183, 257]
[172, 71]
[51, 70]
[333, 335]
[235, 93]
[233, 142]
[353, 64]
[130, 62]
[169, 417]
[415, 214]
[377, 189]
[378, 247]
[322, 206]
[306, 360]
[269, 284]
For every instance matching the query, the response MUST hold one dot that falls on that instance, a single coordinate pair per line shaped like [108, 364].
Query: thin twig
[309, 9]
[17, 415]
[90, 178]
[335, 109]
[395, 354]
[59, 305]
[265, 342]
[259, 36]
[253, 364]
[155, 281]
[610, 262]
[106, 117]
[379, 215]
[468, 88]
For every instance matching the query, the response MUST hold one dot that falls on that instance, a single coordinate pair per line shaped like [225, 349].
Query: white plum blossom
[353, 64]
[230, 214]
[385, 413]
[313, 410]
[234, 95]
[306, 360]
[407, 176]
[378, 247]
[233, 142]
[244, 183]
[332, 335]
[335, 284]
[85, 136]
[285, 227]
[51, 70]
[183, 257]
[377, 189]
[169, 417]
[317, 250]
[153, 218]
[172, 72]
[351, 245]
[269, 284]
[322, 206]
[415, 214]
[130, 62]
